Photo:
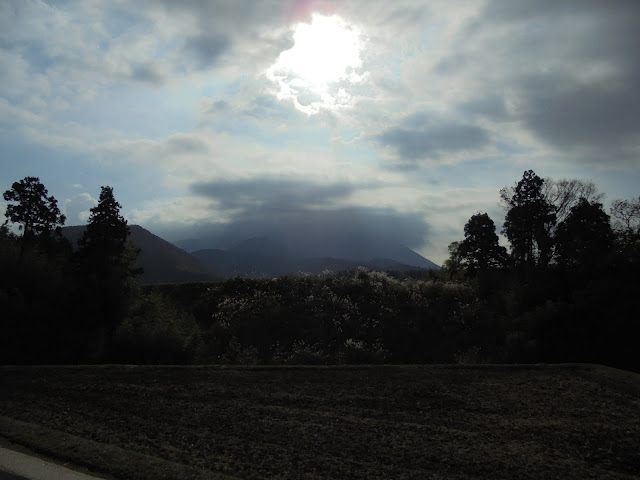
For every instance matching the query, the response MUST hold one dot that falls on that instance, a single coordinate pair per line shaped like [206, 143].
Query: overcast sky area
[394, 121]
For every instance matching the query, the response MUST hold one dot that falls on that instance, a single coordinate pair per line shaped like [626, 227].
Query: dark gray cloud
[178, 144]
[205, 49]
[600, 116]
[300, 215]
[431, 141]
[254, 32]
[358, 232]
[147, 73]
[272, 193]
[572, 74]
[518, 10]
[490, 105]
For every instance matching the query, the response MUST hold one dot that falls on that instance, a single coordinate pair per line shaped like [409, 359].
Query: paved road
[10, 476]
[18, 466]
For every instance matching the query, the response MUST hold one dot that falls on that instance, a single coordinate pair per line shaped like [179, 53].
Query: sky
[316, 119]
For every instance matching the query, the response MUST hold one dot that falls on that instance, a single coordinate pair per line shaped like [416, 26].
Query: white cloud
[77, 208]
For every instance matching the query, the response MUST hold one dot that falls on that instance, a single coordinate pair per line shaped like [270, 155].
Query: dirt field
[394, 422]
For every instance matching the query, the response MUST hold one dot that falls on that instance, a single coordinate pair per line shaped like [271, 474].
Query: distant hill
[260, 256]
[405, 256]
[162, 261]
[260, 246]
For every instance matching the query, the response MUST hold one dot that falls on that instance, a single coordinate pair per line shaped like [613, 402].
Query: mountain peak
[161, 261]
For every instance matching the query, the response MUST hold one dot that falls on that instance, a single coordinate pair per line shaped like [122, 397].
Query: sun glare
[326, 52]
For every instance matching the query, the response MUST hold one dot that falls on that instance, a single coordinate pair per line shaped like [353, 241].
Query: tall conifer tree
[529, 222]
[104, 241]
[480, 249]
[107, 260]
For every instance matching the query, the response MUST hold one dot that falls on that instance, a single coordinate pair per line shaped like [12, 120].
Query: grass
[400, 422]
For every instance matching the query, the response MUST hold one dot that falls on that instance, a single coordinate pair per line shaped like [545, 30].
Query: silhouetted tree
[480, 249]
[626, 226]
[103, 244]
[36, 213]
[562, 194]
[529, 222]
[107, 259]
[565, 194]
[5, 234]
[626, 215]
[584, 238]
[453, 265]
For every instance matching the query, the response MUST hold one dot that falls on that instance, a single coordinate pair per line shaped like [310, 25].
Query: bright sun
[325, 52]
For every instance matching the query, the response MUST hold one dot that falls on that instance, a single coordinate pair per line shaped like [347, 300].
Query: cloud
[206, 49]
[272, 193]
[568, 77]
[77, 208]
[603, 117]
[432, 141]
[357, 232]
[350, 232]
[158, 95]
[147, 73]
[180, 143]
[308, 217]
[252, 36]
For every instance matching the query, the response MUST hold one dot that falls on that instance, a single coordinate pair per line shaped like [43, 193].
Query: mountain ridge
[161, 261]
[165, 262]
[263, 257]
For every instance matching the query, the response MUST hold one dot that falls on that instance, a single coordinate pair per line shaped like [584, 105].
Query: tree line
[62, 303]
[563, 291]
[553, 224]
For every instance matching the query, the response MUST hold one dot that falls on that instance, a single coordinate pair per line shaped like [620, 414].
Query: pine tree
[103, 243]
[480, 249]
[107, 259]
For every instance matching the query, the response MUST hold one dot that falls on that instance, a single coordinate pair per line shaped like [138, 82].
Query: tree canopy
[480, 249]
[529, 222]
[585, 237]
[36, 213]
[103, 243]
[626, 215]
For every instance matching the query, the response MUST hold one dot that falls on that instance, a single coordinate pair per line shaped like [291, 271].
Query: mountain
[162, 261]
[261, 256]
[260, 246]
[405, 256]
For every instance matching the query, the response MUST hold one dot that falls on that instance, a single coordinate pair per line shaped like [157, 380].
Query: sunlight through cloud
[324, 60]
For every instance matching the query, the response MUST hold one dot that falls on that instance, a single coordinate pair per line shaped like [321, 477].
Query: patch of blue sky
[616, 186]
[58, 169]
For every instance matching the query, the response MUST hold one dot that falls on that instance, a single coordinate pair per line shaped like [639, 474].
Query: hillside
[261, 256]
[162, 261]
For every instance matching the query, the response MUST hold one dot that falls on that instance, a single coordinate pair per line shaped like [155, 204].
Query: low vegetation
[376, 422]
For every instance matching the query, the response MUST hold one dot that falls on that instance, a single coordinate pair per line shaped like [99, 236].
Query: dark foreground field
[540, 422]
